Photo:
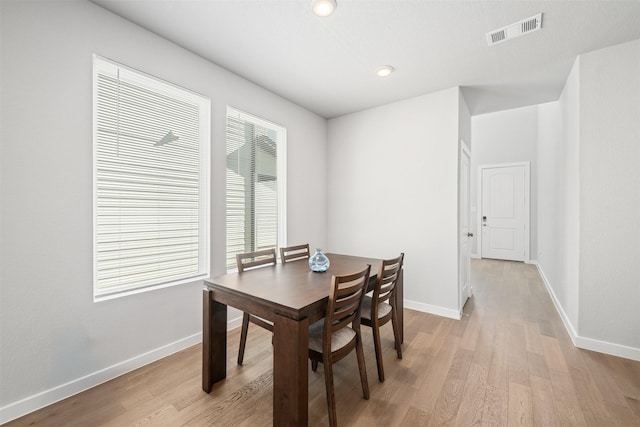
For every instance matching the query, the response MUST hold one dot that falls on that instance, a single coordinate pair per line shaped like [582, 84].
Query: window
[151, 175]
[255, 184]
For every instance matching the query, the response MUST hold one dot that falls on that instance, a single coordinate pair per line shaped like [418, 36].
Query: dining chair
[335, 336]
[293, 253]
[247, 261]
[381, 307]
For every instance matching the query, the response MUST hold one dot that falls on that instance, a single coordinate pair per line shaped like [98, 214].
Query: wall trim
[433, 309]
[586, 343]
[45, 398]
[556, 303]
[234, 323]
[612, 349]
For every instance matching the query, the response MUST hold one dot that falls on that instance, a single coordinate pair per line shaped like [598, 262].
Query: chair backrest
[255, 259]
[345, 300]
[293, 253]
[386, 282]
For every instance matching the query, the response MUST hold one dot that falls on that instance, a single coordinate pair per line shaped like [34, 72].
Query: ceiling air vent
[512, 31]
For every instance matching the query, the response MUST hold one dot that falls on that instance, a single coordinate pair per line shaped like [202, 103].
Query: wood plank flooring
[508, 362]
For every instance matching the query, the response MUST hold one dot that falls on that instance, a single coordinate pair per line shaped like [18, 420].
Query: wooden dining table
[292, 297]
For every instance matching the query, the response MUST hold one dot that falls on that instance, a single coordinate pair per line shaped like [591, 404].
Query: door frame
[464, 151]
[527, 204]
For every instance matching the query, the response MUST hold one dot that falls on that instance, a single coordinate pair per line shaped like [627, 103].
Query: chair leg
[243, 337]
[396, 334]
[314, 365]
[376, 341]
[331, 397]
[362, 367]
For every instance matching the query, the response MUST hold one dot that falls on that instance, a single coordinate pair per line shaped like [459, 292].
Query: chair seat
[383, 309]
[339, 339]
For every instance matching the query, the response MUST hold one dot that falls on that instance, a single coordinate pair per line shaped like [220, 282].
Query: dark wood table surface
[292, 297]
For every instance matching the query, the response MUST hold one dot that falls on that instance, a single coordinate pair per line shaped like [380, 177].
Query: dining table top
[291, 289]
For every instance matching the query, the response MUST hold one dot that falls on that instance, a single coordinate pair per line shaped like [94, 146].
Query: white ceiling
[327, 64]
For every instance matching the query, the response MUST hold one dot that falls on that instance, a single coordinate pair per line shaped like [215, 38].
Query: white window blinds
[151, 175]
[255, 184]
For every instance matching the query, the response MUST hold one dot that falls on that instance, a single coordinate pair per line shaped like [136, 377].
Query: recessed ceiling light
[324, 8]
[384, 70]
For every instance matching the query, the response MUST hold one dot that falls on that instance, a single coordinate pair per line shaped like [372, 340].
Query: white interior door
[504, 215]
[465, 235]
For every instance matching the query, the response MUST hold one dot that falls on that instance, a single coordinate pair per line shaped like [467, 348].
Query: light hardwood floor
[508, 362]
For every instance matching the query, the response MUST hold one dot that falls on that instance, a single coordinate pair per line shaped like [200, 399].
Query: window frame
[281, 167]
[163, 87]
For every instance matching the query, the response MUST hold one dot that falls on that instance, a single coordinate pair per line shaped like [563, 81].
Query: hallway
[532, 371]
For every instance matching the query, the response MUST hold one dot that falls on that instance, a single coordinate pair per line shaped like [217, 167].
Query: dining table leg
[214, 341]
[290, 371]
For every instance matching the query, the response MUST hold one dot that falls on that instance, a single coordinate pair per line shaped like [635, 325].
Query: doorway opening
[464, 228]
[504, 213]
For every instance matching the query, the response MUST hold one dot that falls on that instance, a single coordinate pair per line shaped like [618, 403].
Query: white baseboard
[33, 403]
[433, 309]
[584, 342]
[234, 323]
[608, 348]
[526, 261]
[563, 316]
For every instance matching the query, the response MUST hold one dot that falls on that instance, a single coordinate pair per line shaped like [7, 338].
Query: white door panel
[502, 238]
[501, 194]
[464, 214]
[504, 217]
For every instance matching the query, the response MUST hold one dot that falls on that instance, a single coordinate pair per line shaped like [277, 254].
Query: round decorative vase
[319, 261]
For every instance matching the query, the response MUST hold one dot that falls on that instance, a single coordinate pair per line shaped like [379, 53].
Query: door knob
[469, 234]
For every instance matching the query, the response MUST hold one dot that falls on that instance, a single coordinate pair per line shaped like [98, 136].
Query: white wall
[504, 137]
[464, 122]
[393, 183]
[589, 208]
[566, 285]
[55, 340]
[549, 155]
[610, 195]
